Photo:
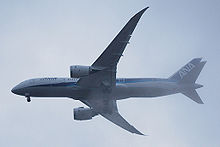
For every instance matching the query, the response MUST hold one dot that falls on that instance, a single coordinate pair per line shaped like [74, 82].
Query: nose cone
[21, 88]
[15, 90]
[18, 89]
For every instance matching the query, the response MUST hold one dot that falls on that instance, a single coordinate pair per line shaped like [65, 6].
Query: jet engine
[82, 113]
[77, 71]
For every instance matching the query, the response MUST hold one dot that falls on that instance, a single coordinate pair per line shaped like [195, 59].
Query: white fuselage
[67, 87]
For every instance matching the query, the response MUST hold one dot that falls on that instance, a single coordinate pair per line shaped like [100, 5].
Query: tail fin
[187, 75]
[190, 72]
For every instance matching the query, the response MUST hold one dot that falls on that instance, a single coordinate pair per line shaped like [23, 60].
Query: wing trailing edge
[118, 120]
[99, 105]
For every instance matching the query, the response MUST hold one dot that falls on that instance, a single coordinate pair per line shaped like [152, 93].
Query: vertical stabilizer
[190, 72]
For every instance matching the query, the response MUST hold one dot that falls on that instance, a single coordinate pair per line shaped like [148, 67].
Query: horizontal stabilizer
[193, 95]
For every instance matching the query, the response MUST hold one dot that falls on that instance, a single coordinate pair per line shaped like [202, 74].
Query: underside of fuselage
[148, 88]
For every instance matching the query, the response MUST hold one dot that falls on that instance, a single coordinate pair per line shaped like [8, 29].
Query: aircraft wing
[113, 52]
[106, 64]
[110, 112]
[103, 78]
[117, 119]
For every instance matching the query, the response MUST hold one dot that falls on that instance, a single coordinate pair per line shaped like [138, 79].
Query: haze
[43, 38]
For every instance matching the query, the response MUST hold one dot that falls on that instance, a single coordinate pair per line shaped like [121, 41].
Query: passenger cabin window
[48, 79]
[121, 80]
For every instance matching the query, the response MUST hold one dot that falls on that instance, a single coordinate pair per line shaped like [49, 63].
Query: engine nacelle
[82, 113]
[77, 71]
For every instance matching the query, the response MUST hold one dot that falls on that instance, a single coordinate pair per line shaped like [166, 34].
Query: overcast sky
[43, 38]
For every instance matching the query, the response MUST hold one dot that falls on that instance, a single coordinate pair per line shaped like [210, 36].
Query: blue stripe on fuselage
[118, 81]
[137, 80]
[69, 84]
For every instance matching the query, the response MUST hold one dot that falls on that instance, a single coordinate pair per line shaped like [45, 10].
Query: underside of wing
[102, 108]
[117, 119]
[102, 78]
[106, 64]
[113, 52]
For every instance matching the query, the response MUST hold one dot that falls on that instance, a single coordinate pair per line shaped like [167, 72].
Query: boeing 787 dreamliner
[97, 86]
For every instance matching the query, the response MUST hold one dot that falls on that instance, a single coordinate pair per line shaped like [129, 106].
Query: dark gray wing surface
[113, 52]
[106, 63]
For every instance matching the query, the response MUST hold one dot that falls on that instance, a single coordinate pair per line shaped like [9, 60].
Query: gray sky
[43, 38]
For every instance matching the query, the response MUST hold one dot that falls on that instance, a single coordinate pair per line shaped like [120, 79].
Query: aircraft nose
[14, 90]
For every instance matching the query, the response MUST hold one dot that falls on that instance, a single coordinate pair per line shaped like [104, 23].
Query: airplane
[97, 86]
